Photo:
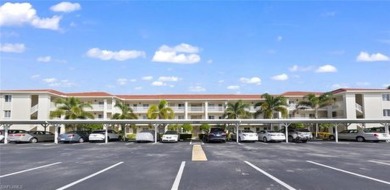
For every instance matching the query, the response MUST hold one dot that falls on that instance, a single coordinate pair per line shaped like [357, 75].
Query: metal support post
[286, 130]
[237, 126]
[155, 132]
[56, 127]
[106, 133]
[336, 132]
[45, 125]
[6, 127]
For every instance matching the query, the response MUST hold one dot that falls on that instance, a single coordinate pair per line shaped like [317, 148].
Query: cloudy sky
[185, 47]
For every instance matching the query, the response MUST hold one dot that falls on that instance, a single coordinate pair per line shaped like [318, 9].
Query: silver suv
[299, 135]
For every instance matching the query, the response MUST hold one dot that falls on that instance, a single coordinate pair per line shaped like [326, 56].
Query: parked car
[245, 135]
[170, 136]
[10, 131]
[74, 136]
[267, 136]
[216, 134]
[298, 135]
[31, 136]
[100, 135]
[145, 136]
[361, 135]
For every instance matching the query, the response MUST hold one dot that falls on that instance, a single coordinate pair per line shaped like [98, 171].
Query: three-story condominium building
[37, 104]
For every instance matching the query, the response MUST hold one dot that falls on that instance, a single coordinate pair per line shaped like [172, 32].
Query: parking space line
[176, 183]
[85, 178]
[30, 169]
[270, 176]
[377, 162]
[348, 172]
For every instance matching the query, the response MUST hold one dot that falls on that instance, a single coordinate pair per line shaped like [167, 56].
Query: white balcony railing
[196, 108]
[359, 107]
[216, 109]
[34, 109]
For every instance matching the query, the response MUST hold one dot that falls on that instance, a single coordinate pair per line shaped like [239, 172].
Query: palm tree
[237, 110]
[316, 102]
[71, 108]
[126, 113]
[270, 105]
[160, 111]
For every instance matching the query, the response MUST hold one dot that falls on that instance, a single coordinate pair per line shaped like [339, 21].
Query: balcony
[34, 109]
[216, 109]
[196, 108]
[359, 108]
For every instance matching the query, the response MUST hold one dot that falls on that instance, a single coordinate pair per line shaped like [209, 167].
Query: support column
[155, 132]
[206, 110]
[6, 127]
[286, 130]
[56, 127]
[105, 126]
[336, 132]
[186, 110]
[237, 126]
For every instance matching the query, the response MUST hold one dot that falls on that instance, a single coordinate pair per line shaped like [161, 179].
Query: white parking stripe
[85, 178]
[30, 169]
[344, 171]
[271, 176]
[377, 162]
[176, 184]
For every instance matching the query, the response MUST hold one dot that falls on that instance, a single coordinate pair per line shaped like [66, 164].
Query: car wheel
[332, 138]
[265, 139]
[81, 140]
[239, 139]
[360, 139]
[290, 138]
[304, 141]
[34, 140]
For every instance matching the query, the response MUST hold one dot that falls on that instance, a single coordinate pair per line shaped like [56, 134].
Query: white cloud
[138, 88]
[221, 81]
[133, 80]
[65, 7]
[121, 81]
[170, 79]
[326, 69]
[35, 76]
[147, 78]
[158, 83]
[17, 14]
[280, 77]
[120, 55]
[329, 14]
[196, 89]
[49, 80]
[366, 57]
[44, 59]
[233, 87]
[296, 68]
[363, 84]
[253, 80]
[343, 85]
[209, 61]
[12, 48]
[279, 38]
[183, 54]
[53, 82]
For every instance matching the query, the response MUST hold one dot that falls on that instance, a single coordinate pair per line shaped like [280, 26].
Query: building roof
[51, 91]
[340, 90]
[89, 94]
[299, 93]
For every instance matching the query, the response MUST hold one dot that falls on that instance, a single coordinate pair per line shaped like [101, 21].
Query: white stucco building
[37, 104]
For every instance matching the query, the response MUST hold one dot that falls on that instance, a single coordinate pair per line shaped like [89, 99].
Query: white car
[170, 136]
[245, 135]
[362, 135]
[267, 136]
[144, 136]
[100, 135]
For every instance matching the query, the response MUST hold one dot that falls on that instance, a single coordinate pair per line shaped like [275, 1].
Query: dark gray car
[216, 135]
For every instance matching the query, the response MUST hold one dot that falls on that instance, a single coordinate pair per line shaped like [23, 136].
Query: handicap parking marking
[379, 162]
[31, 169]
[270, 176]
[90, 176]
[176, 183]
[348, 172]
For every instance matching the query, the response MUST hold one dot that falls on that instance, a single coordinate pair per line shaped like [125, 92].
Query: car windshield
[247, 131]
[101, 131]
[171, 132]
[215, 130]
[375, 130]
[303, 130]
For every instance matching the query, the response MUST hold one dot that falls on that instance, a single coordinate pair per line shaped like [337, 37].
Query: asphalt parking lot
[119, 165]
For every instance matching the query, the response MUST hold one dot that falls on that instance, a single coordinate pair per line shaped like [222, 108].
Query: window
[211, 117]
[8, 98]
[247, 128]
[386, 112]
[145, 105]
[386, 97]
[180, 117]
[7, 113]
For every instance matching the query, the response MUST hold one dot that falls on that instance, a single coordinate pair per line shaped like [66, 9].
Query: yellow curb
[198, 153]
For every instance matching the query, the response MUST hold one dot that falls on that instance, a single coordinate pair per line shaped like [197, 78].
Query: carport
[155, 123]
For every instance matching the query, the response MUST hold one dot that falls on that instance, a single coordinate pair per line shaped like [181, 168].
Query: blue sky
[186, 47]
